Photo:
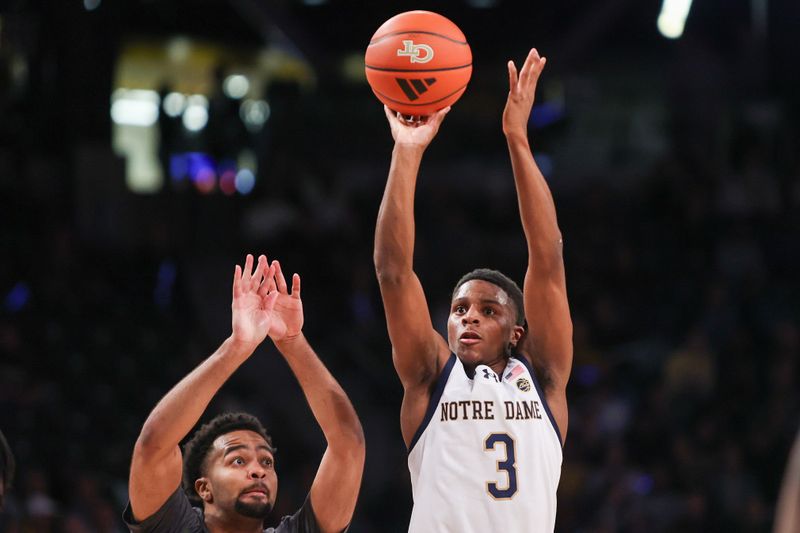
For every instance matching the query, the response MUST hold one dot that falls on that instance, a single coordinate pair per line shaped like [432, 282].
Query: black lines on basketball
[391, 69]
[432, 102]
[416, 32]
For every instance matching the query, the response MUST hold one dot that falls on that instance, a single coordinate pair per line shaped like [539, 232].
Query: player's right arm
[418, 351]
[157, 463]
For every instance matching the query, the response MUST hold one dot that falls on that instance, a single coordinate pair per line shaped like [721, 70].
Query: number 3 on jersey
[508, 465]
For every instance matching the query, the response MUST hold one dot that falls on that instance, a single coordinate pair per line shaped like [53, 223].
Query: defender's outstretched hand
[415, 133]
[253, 303]
[521, 93]
[287, 313]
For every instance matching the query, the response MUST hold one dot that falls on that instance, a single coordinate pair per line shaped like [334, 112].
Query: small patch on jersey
[517, 370]
[523, 384]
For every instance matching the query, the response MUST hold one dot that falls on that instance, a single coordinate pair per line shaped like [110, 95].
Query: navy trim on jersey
[527, 364]
[434, 401]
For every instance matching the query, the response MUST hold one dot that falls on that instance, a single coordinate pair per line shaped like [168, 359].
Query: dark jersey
[178, 516]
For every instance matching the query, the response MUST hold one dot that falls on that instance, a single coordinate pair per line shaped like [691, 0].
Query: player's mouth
[469, 338]
[257, 491]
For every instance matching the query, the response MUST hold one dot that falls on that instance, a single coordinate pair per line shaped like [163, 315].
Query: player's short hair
[7, 466]
[501, 280]
[196, 449]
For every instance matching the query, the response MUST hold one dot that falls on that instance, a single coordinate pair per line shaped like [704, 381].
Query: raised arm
[335, 488]
[157, 463]
[549, 337]
[418, 351]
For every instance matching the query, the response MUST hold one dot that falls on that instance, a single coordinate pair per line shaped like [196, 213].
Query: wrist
[410, 149]
[238, 346]
[289, 340]
[516, 135]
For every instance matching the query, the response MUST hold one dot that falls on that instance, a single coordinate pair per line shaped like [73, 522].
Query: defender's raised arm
[335, 488]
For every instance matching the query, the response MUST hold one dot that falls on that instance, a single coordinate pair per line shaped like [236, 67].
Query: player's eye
[267, 462]
[460, 309]
[488, 311]
[238, 461]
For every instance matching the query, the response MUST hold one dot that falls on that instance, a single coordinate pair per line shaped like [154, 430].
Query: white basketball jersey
[487, 456]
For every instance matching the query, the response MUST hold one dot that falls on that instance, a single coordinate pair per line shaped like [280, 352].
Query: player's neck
[218, 522]
[498, 366]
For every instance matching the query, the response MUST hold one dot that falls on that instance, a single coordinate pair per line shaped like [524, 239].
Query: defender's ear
[203, 488]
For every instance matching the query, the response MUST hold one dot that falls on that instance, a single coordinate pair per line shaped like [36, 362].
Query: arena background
[146, 146]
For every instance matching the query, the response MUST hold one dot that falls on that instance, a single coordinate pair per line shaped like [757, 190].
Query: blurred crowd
[684, 396]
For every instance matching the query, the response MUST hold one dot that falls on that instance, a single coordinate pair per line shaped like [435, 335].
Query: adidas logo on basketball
[415, 87]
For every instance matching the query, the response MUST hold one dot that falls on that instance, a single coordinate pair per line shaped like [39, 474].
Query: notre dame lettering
[485, 410]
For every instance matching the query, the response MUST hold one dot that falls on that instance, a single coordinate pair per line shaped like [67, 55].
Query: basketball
[418, 62]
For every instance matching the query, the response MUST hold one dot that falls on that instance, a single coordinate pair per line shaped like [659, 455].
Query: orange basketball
[418, 62]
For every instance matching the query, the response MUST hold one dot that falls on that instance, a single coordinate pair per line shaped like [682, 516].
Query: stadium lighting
[174, 104]
[254, 113]
[672, 18]
[236, 86]
[195, 116]
[134, 107]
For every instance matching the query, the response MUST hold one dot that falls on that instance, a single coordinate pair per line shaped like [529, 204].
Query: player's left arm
[549, 339]
[335, 488]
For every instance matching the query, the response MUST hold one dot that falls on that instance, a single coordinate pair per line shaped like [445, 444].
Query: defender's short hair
[501, 280]
[197, 448]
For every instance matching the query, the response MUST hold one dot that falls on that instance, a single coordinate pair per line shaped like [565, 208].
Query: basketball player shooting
[484, 413]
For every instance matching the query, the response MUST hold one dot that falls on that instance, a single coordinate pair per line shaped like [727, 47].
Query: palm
[521, 92]
[250, 321]
[287, 314]
[251, 311]
[287, 317]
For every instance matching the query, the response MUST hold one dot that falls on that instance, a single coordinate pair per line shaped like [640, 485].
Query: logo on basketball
[523, 384]
[413, 88]
[413, 52]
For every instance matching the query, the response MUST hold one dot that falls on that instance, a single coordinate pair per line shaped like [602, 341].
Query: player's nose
[258, 472]
[471, 316]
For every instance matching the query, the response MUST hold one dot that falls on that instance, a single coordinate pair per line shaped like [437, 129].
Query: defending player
[229, 465]
[484, 430]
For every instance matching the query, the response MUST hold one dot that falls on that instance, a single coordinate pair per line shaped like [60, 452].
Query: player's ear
[203, 488]
[517, 333]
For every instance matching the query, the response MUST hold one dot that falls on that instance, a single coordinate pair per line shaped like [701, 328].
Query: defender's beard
[253, 510]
